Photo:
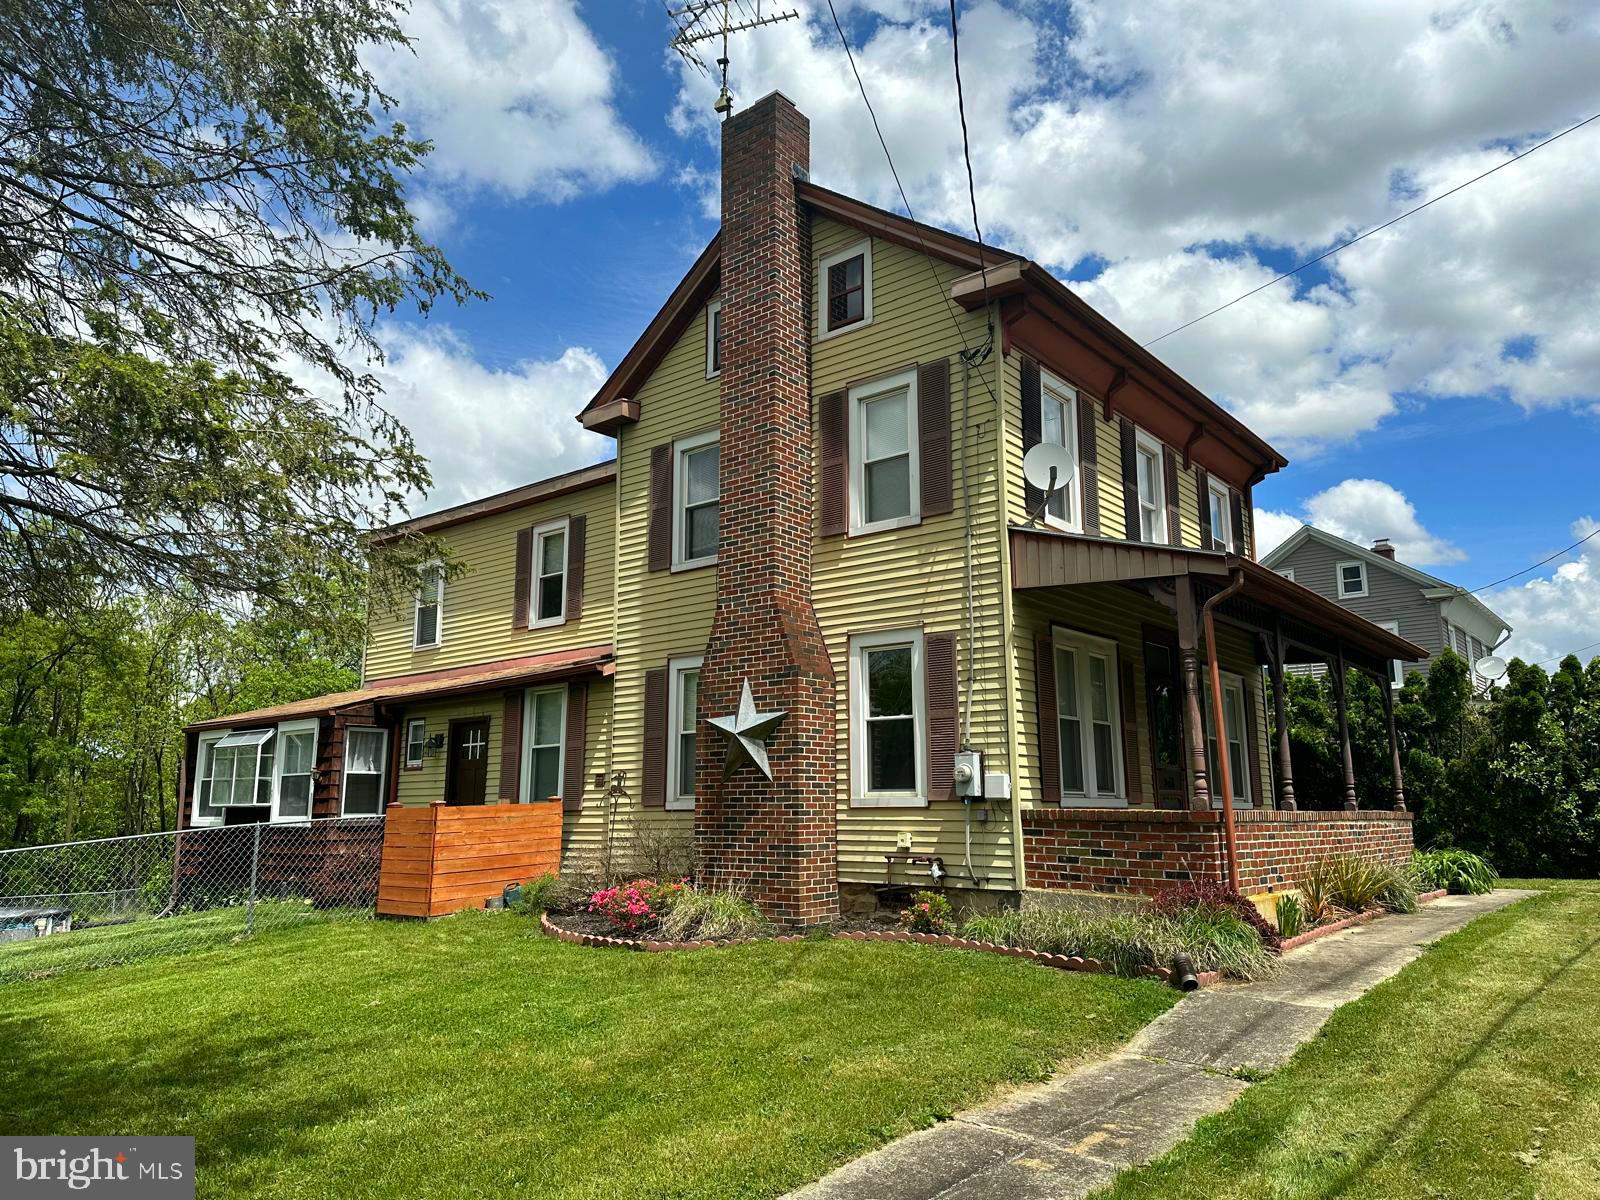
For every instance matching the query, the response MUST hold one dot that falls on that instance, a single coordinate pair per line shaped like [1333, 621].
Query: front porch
[1141, 723]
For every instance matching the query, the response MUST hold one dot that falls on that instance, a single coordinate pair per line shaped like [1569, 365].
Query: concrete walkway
[1072, 1135]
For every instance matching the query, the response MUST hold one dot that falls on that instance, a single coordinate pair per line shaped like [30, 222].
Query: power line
[1569, 654]
[1375, 229]
[1537, 565]
[966, 153]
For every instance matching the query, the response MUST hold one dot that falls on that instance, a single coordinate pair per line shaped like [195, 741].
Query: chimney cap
[1383, 546]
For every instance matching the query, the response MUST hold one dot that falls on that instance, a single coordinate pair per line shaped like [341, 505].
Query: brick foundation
[1144, 851]
[776, 838]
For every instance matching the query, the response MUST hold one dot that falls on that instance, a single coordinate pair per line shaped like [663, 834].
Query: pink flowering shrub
[636, 906]
[929, 913]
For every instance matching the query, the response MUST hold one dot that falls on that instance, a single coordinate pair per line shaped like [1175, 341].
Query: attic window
[713, 339]
[845, 280]
[1352, 580]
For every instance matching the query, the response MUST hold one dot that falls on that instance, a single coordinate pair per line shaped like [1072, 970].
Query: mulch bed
[591, 929]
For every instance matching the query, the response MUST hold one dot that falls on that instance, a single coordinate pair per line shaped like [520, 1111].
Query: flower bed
[1360, 918]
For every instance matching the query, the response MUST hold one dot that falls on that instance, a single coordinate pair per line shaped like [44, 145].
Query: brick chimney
[1383, 548]
[777, 838]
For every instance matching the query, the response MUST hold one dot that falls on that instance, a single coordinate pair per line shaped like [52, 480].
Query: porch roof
[428, 685]
[1046, 558]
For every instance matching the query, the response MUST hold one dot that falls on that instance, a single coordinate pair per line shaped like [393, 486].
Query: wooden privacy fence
[442, 859]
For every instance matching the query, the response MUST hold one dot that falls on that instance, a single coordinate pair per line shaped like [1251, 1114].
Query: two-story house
[818, 495]
[1421, 608]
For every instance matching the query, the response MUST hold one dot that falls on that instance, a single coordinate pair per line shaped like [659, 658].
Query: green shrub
[711, 915]
[1462, 871]
[1400, 889]
[539, 894]
[1214, 938]
[930, 912]
[1335, 887]
[1291, 916]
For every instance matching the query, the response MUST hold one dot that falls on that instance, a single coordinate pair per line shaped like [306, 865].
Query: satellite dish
[1490, 667]
[1047, 467]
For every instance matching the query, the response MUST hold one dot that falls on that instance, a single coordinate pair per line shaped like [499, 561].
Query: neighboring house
[817, 493]
[1425, 610]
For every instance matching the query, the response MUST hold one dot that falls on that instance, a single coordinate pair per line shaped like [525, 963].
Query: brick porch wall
[1143, 851]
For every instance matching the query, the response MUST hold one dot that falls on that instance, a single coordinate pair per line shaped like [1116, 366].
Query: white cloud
[1559, 615]
[1162, 139]
[1361, 511]
[1273, 529]
[517, 95]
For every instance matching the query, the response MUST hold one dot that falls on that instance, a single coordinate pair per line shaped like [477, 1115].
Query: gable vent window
[845, 280]
[428, 627]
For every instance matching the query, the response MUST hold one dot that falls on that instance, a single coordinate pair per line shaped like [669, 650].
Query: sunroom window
[365, 758]
[239, 773]
[297, 753]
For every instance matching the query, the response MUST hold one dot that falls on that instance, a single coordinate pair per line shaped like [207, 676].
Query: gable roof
[1431, 586]
[615, 404]
[517, 497]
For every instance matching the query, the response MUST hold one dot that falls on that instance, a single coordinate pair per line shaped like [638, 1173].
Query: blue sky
[1438, 384]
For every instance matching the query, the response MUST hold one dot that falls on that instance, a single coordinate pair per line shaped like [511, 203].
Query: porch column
[1194, 730]
[1280, 712]
[1394, 746]
[1350, 802]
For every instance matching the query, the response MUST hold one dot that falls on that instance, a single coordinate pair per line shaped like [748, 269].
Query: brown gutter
[1217, 719]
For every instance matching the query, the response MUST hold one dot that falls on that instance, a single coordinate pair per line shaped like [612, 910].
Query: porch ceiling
[1312, 624]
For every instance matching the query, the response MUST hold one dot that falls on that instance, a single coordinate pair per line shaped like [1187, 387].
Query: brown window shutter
[1130, 481]
[511, 748]
[575, 554]
[1044, 694]
[1252, 744]
[933, 431]
[833, 463]
[1169, 462]
[660, 538]
[1032, 428]
[1237, 503]
[1202, 487]
[1130, 738]
[1089, 465]
[572, 750]
[523, 589]
[653, 793]
[939, 696]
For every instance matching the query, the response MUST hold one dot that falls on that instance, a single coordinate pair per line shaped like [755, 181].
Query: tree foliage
[204, 217]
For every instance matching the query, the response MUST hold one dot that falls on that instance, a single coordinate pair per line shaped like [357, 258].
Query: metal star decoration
[746, 731]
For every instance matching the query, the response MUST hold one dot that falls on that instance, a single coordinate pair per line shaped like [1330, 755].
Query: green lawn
[472, 1057]
[1473, 1073]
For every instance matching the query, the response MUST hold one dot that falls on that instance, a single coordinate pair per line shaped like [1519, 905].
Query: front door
[467, 768]
[1163, 690]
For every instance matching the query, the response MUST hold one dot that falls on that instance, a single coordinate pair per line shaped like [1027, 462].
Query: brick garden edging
[1061, 962]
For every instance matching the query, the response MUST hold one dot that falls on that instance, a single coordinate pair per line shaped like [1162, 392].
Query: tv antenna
[700, 21]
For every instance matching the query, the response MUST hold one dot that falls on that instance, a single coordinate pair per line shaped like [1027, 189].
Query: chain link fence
[80, 905]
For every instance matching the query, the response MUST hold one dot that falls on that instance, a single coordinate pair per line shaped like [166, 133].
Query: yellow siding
[424, 785]
[915, 577]
[477, 624]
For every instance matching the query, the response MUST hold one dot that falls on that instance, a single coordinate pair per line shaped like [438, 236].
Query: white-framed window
[697, 500]
[1149, 459]
[204, 812]
[888, 761]
[427, 627]
[1238, 734]
[1058, 426]
[885, 477]
[366, 761]
[1089, 717]
[683, 713]
[547, 600]
[544, 728]
[844, 286]
[416, 741]
[297, 771]
[240, 769]
[1352, 580]
[1397, 669]
[1220, 506]
[1287, 573]
[714, 338]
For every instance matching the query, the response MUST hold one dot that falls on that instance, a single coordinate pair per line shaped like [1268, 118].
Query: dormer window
[845, 283]
[714, 339]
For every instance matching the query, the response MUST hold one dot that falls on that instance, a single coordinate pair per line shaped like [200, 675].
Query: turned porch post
[1280, 711]
[1194, 730]
[1343, 703]
[1394, 746]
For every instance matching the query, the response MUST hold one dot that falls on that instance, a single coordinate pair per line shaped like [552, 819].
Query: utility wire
[966, 153]
[1569, 654]
[1595, 532]
[1375, 229]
